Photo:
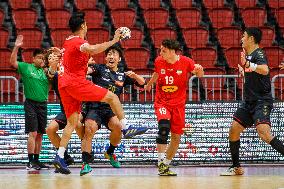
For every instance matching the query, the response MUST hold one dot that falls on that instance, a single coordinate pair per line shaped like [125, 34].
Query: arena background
[209, 31]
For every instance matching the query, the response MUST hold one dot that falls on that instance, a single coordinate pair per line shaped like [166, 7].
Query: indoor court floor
[190, 177]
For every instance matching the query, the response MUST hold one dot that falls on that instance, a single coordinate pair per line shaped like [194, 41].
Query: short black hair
[255, 32]
[115, 47]
[171, 44]
[76, 20]
[38, 51]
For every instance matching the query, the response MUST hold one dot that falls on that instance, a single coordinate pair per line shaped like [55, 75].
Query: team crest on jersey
[169, 89]
[179, 72]
[163, 71]
[119, 77]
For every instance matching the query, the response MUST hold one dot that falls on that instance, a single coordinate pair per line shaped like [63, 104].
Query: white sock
[161, 157]
[124, 124]
[167, 161]
[61, 151]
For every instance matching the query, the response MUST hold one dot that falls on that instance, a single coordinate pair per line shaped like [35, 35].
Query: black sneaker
[42, 165]
[69, 160]
[32, 166]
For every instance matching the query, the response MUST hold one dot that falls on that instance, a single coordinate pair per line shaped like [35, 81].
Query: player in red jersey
[73, 86]
[171, 77]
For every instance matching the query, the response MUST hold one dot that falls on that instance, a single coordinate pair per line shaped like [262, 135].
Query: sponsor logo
[169, 89]
[179, 72]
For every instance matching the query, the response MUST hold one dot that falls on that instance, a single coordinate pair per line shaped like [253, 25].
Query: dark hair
[76, 20]
[38, 51]
[171, 44]
[115, 47]
[255, 32]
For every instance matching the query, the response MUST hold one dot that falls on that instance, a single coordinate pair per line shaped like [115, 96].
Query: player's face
[166, 53]
[39, 60]
[246, 40]
[112, 58]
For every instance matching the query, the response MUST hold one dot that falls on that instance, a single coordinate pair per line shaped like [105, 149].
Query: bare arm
[140, 80]
[98, 48]
[153, 79]
[13, 58]
[198, 70]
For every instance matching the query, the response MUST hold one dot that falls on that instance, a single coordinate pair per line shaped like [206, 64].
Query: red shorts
[73, 95]
[176, 115]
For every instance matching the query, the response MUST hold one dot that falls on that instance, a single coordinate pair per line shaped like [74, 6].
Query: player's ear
[119, 59]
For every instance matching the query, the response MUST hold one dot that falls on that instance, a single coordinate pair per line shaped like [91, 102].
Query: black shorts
[61, 120]
[101, 115]
[254, 113]
[35, 116]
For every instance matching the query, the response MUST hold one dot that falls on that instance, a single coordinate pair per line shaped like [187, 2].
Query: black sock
[66, 155]
[111, 149]
[31, 157]
[277, 145]
[235, 149]
[85, 156]
[36, 157]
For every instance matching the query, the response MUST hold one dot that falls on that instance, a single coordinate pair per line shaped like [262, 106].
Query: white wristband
[252, 66]
[123, 123]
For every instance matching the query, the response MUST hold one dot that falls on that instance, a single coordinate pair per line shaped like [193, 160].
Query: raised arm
[13, 58]
[98, 48]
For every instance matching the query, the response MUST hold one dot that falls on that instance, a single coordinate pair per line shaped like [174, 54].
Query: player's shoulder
[185, 59]
[159, 59]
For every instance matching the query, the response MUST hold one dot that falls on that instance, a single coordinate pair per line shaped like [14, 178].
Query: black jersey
[55, 88]
[257, 86]
[111, 80]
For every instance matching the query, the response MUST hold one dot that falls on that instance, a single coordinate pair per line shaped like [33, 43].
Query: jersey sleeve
[260, 58]
[190, 65]
[128, 81]
[95, 68]
[22, 68]
[80, 44]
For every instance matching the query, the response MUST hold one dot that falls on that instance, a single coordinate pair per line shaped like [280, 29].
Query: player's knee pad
[164, 127]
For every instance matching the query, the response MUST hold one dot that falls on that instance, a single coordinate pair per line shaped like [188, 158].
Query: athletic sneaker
[60, 165]
[232, 171]
[85, 169]
[112, 159]
[32, 166]
[42, 165]
[164, 170]
[69, 160]
[133, 131]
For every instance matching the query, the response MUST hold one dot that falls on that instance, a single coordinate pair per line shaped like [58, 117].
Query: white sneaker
[233, 171]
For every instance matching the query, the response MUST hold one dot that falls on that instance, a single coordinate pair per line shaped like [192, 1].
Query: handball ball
[126, 33]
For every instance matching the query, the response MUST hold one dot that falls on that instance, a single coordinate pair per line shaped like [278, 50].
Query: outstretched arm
[140, 80]
[98, 48]
[153, 79]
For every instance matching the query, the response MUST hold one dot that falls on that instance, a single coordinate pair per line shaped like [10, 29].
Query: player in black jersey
[60, 121]
[96, 113]
[258, 101]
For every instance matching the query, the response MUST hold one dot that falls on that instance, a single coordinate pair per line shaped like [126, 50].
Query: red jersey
[74, 63]
[172, 81]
